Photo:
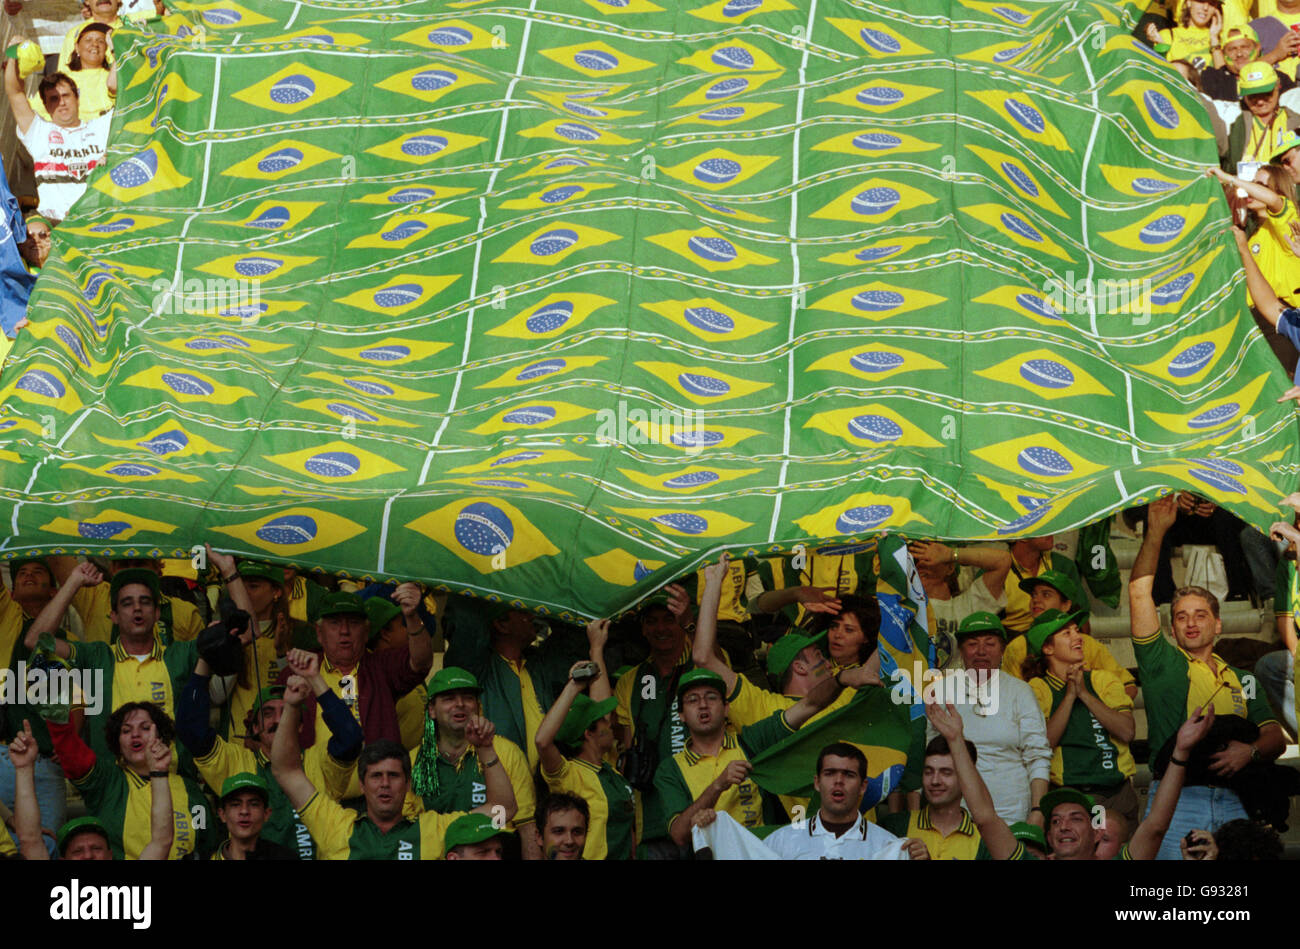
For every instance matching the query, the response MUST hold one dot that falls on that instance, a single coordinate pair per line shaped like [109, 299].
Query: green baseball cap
[340, 603]
[261, 571]
[134, 575]
[1256, 77]
[80, 825]
[1287, 139]
[452, 679]
[1054, 579]
[657, 600]
[269, 693]
[978, 623]
[471, 829]
[1029, 833]
[582, 715]
[701, 677]
[245, 781]
[1047, 624]
[19, 562]
[782, 652]
[381, 610]
[1054, 799]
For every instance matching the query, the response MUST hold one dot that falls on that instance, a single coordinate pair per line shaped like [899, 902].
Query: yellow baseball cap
[1256, 77]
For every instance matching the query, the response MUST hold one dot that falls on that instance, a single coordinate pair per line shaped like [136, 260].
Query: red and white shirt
[64, 159]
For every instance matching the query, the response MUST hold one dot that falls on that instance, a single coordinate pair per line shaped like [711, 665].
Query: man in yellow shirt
[943, 826]
[178, 620]
[1262, 121]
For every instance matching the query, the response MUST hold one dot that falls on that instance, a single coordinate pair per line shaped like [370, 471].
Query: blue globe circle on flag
[682, 521]
[450, 36]
[292, 90]
[388, 353]
[692, 479]
[420, 146]
[1191, 360]
[701, 385]
[553, 242]
[483, 529]
[530, 415]
[344, 410]
[880, 41]
[1047, 373]
[164, 443]
[1045, 462]
[596, 60]
[1026, 116]
[280, 160]
[550, 317]
[726, 87]
[708, 319]
[713, 249]
[333, 464]
[431, 80]
[877, 301]
[875, 201]
[257, 266]
[410, 195]
[129, 469]
[539, 369]
[288, 530]
[136, 171]
[858, 519]
[103, 530]
[366, 387]
[401, 294]
[577, 132]
[717, 171]
[876, 141]
[875, 428]
[183, 383]
[733, 57]
[40, 382]
[404, 230]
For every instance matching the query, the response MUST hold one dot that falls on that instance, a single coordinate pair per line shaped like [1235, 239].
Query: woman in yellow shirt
[1196, 37]
[90, 69]
[1267, 198]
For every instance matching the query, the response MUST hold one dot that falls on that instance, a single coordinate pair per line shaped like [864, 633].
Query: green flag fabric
[550, 300]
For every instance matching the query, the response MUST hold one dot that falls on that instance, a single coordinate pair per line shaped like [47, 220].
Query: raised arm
[27, 811]
[286, 758]
[1149, 834]
[704, 652]
[229, 572]
[48, 620]
[597, 636]
[1266, 196]
[813, 599]
[551, 758]
[1143, 617]
[995, 563]
[161, 819]
[500, 792]
[408, 596]
[997, 835]
[818, 697]
[18, 104]
[346, 737]
[1261, 291]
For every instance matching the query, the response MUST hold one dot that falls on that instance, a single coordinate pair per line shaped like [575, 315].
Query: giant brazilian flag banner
[550, 300]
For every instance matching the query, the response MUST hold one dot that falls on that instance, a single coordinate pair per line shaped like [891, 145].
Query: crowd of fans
[247, 711]
[287, 716]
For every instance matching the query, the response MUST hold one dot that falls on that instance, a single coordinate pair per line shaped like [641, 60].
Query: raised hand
[85, 575]
[717, 572]
[408, 596]
[945, 720]
[1194, 729]
[23, 750]
[160, 755]
[581, 684]
[296, 691]
[1162, 512]
[225, 563]
[480, 731]
[820, 600]
[597, 634]
[735, 773]
[931, 554]
[303, 663]
[916, 849]
[679, 601]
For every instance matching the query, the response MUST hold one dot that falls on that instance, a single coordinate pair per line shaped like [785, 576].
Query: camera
[586, 672]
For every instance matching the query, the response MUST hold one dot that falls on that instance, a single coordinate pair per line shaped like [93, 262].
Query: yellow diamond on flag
[731, 56]
[872, 426]
[389, 351]
[534, 416]
[294, 532]
[687, 480]
[1024, 117]
[44, 385]
[708, 249]
[687, 522]
[541, 371]
[373, 386]
[619, 567]
[551, 243]
[149, 171]
[708, 319]
[129, 472]
[109, 525]
[877, 301]
[873, 201]
[730, 12]
[343, 413]
[864, 513]
[1190, 358]
[280, 160]
[878, 39]
[187, 386]
[166, 440]
[398, 294]
[553, 315]
[703, 385]
[430, 82]
[401, 230]
[596, 59]
[452, 36]
[1045, 373]
[487, 533]
[1017, 226]
[337, 462]
[717, 168]
[511, 483]
[880, 250]
[292, 89]
[255, 265]
[875, 362]
[1214, 417]
[573, 132]
[420, 148]
[1040, 457]
[882, 95]
[521, 458]
[1160, 231]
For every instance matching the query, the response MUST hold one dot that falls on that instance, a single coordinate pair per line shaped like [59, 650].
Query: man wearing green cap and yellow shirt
[1179, 678]
[1069, 814]
[328, 765]
[581, 726]
[475, 837]
[1032, 557]
[446, 773]
[381, 831]
[1053, 590]
[139, 667]
[177, 620]
[712, 772]
[369, 683]
[33, 589]
[1089, 715]
[244, 807]
[1262, 120]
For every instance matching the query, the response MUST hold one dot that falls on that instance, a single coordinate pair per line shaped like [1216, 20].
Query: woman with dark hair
[1197, 35]
[118, 792]
[1267, 198]
[1089, 715]
[90, 69]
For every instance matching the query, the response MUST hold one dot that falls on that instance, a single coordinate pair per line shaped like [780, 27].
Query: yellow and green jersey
[1174, 685]
[345, 834]
[1272, 252]
[178, 620]
[1095, 656]
[611, 832]
[1086, 753]
[732, 606]
[846, 568]
[962, 844]
[681, 780]
[458, 786]
[123, 800]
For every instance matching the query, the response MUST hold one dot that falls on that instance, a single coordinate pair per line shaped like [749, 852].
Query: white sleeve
[1034, 749]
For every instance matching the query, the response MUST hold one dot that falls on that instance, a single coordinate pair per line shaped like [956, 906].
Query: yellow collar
[728, 742]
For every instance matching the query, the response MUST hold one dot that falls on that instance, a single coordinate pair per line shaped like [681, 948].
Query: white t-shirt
[809, 840]
[64, 159]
